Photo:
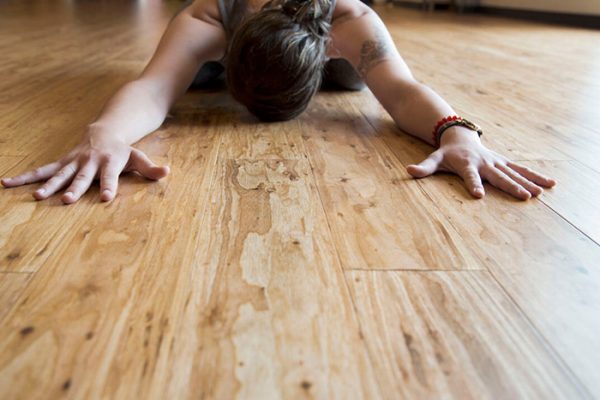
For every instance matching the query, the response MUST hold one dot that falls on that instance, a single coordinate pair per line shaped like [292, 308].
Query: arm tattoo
[372, 52]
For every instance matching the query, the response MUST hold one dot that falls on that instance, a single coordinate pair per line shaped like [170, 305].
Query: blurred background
[572, 12]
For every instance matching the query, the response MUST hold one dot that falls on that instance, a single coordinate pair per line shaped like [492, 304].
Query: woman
[275, 55]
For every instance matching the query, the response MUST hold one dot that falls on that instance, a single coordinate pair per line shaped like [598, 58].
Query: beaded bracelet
[450, 121]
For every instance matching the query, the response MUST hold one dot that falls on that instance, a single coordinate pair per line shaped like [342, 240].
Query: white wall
[565, 6]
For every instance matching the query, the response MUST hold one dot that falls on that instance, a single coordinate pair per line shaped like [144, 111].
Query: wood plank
[246, 137]
[176, 290]
[30, 230]
[511, 80]
[251, 140]
[548, 267]
[39, 120]
[577, 196]
[213, 307]
[7, 163]
[453, 334]
[111, 282]
[33, 229]
[379, 216]
[278, 311]
[11, 286]
[49, 80]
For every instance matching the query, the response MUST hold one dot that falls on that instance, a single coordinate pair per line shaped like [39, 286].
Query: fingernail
[70, 194]
[41, 191]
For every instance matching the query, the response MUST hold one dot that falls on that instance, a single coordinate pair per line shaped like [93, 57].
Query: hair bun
[303, 10]
[311, 14]
[297, 9]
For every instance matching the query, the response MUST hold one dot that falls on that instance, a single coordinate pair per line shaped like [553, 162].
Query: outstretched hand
[462, 153]
[95, 157]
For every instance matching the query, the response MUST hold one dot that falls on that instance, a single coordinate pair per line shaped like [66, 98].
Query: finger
[532, 175]
[472, 181]
[39, 174]
[503, 182]
[57, 182]
[81, 183]
[427, 166]
[531, 187]
[109, 179]
[141, 163]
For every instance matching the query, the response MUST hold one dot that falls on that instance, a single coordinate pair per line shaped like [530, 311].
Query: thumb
[426, 167]
[142, 164]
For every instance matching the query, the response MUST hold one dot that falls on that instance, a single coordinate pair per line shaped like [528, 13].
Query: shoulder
[349, 9]
[351, 18]
[205, 10]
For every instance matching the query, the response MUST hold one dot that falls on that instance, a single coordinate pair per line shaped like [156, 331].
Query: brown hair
[276, 57]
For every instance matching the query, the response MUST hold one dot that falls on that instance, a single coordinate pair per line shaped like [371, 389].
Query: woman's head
[276, 57]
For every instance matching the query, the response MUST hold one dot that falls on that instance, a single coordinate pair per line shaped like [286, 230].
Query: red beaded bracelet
[450, 121]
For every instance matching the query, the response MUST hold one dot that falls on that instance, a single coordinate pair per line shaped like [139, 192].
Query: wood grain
[31, 229]
[278, 311]
[11, 286]
[58, 81]
[7, 163]
[93, 276]
[513, 84]
[453, 335]
[546, 265]
[239, 310]
[378, 214]
[42, 109]
[235, 277]
[577, 195]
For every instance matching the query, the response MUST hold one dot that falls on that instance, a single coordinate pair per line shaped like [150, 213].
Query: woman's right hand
[97, 156]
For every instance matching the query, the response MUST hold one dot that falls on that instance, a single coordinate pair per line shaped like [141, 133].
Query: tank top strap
[232, 14]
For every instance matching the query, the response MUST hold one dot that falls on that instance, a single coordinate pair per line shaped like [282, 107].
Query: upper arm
[193, 37]
[359, 35]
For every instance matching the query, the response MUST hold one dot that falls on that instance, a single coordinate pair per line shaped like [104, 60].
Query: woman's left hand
[461, 152]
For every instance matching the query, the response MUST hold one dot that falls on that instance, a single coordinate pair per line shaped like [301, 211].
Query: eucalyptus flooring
[299, 259]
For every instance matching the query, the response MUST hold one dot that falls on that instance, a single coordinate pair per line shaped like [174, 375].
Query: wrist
[96, 132]
[459, 134]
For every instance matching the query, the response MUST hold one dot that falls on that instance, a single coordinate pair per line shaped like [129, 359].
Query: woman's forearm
[416, 109]
[132, 113]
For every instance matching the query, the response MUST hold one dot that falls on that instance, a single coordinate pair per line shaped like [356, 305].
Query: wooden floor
[299, 260]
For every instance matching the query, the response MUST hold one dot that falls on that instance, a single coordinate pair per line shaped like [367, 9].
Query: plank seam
[551, 350]
[13, 166]
[568, 222]
[414, 270]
